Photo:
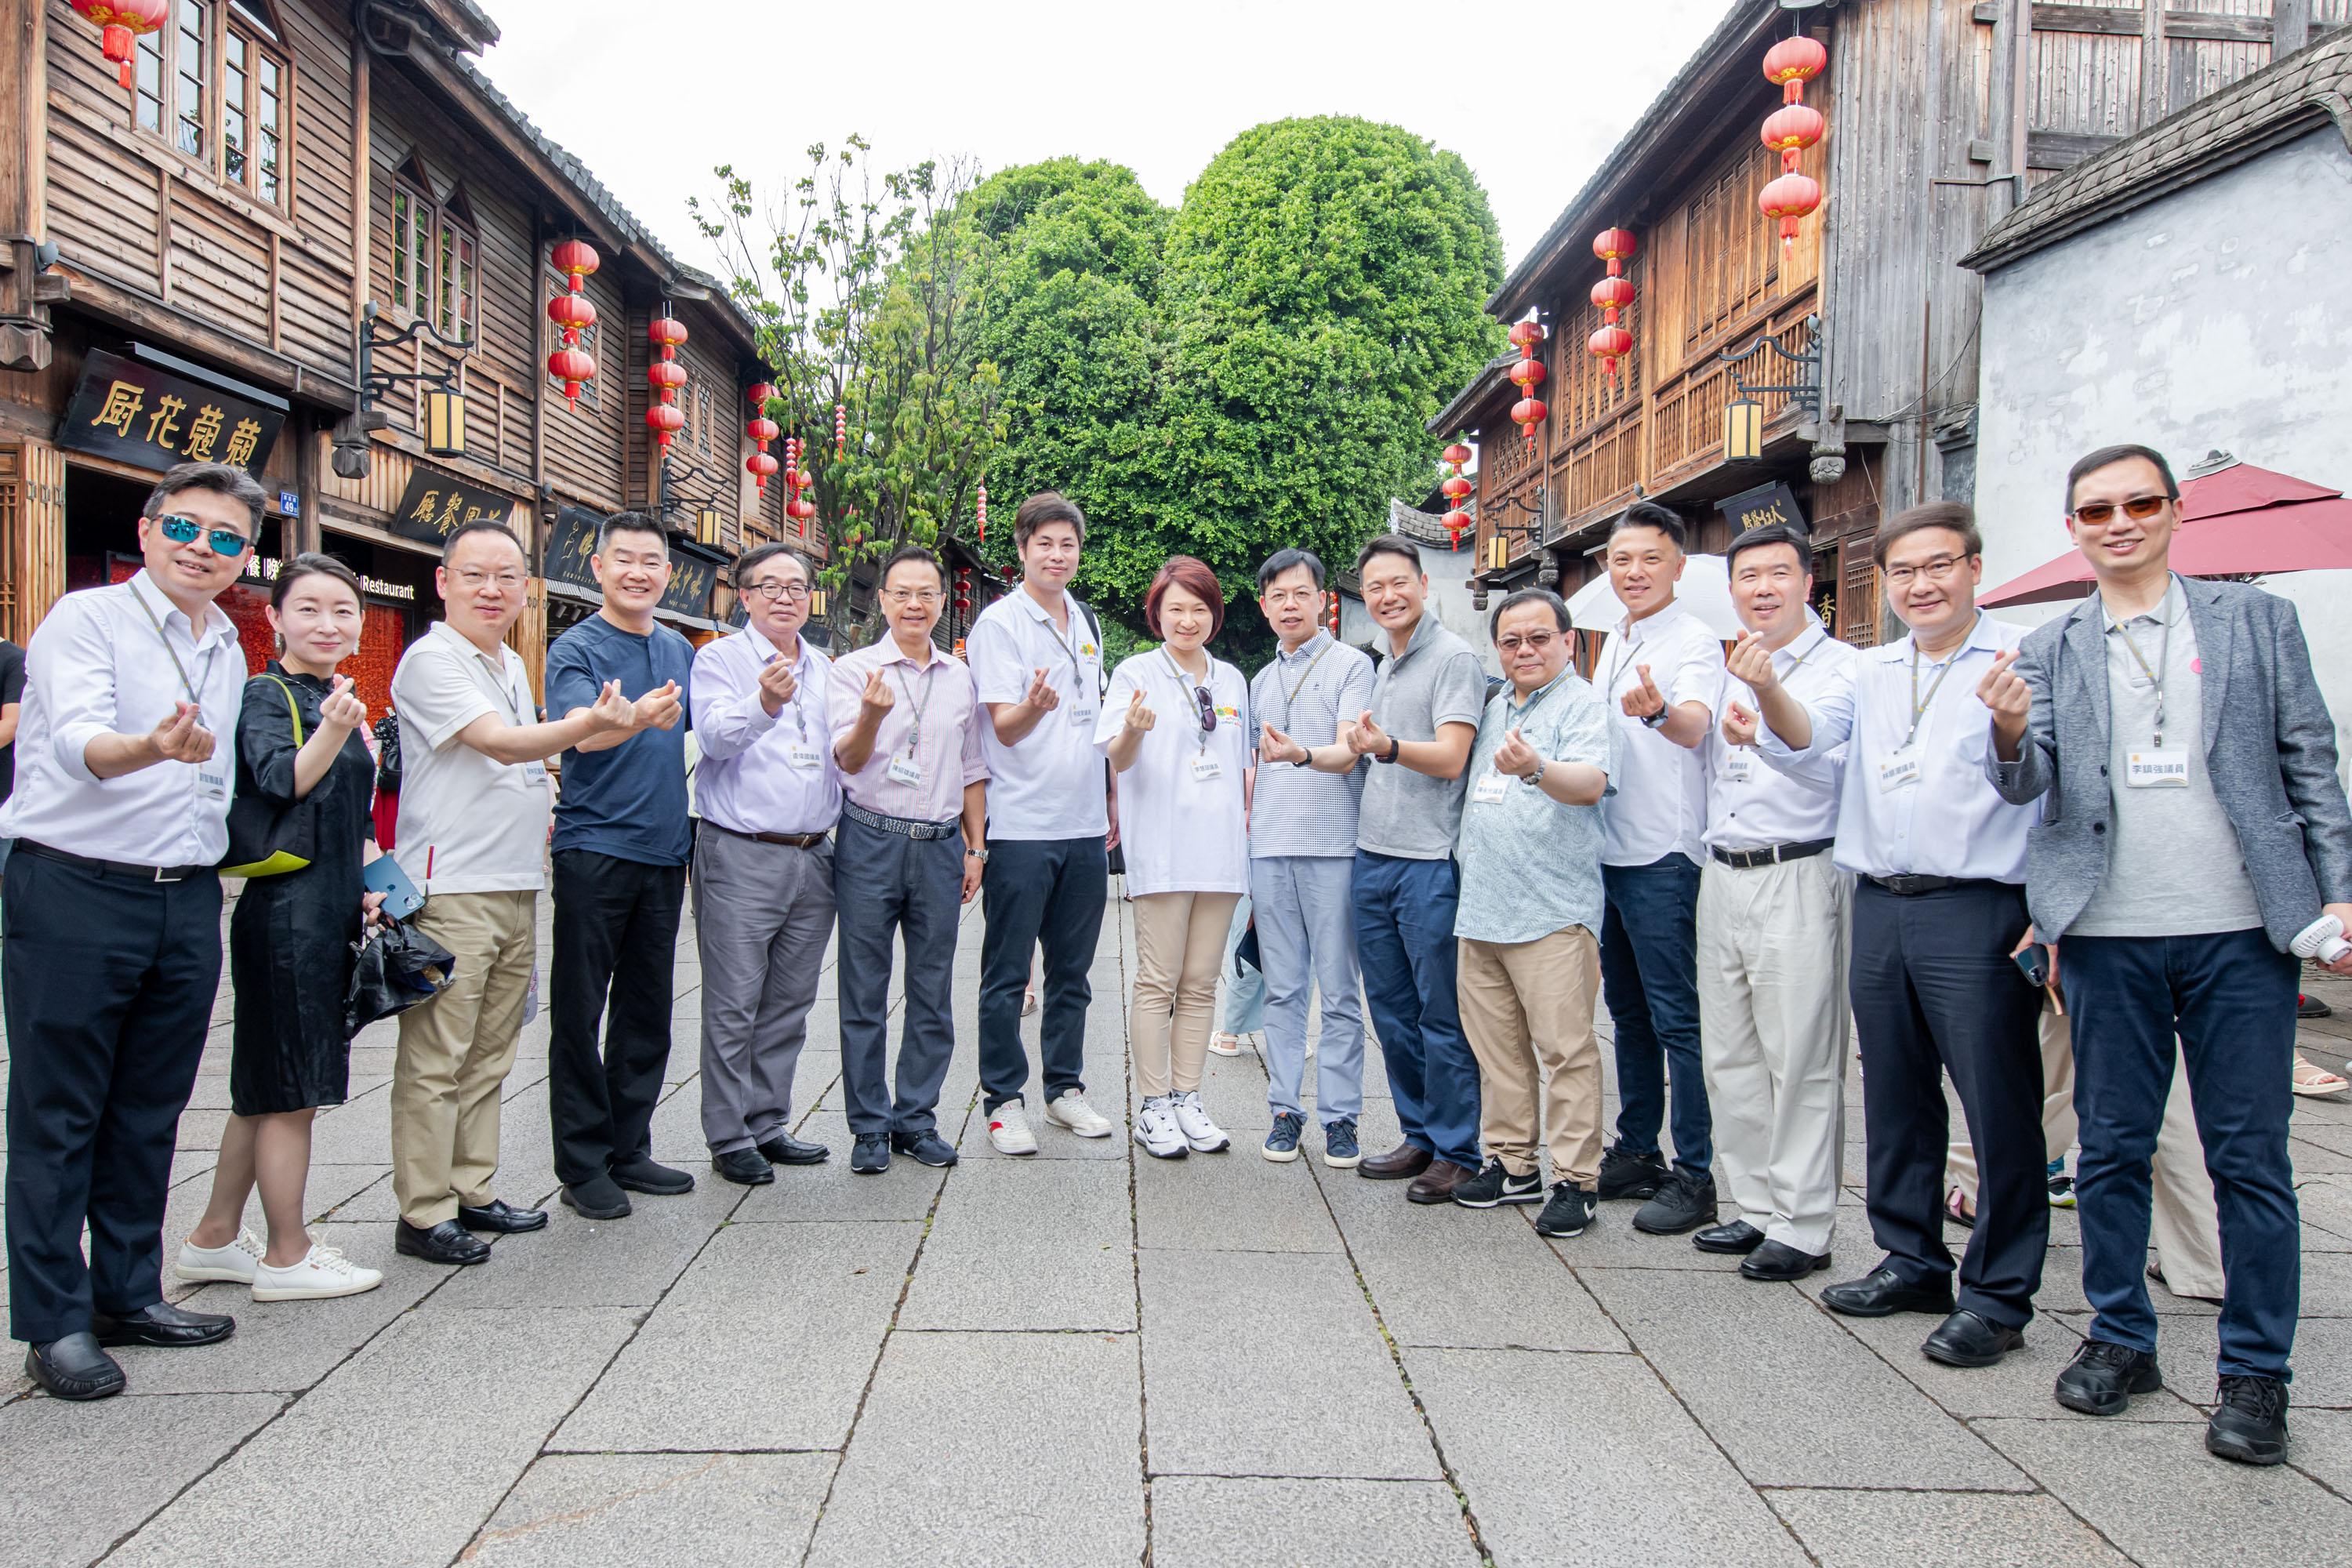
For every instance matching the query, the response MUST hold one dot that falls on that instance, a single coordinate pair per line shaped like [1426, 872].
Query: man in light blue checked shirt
[1530, 919]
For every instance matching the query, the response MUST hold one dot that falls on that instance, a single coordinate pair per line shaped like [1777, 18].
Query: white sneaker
[1008, 1129]
[1192, 1120]
[1224, 1045]
[233, 1263]
[1156, 1129]
[323, 1273]
[1073, 1111]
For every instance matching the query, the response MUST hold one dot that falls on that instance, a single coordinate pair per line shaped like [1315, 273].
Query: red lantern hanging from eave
[666, 420]
[1612, 294]
[761, 467]
[572, 315]
[121, 25]
[1456, 486]
[665, 376]
[1528, 374]
[1524, 336]
[979, 509]
[576, 259]
[1528, 414]
[759, 395]
[1789, 199]
[572, 368]
[1790, 64]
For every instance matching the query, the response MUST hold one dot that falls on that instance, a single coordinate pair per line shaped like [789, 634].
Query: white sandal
[2310, 1078]
[1224, 1045]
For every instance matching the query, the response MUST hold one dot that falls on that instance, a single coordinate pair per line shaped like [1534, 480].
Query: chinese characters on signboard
[136, 412]
[435, 505]
[571, 551]
[1762, 507]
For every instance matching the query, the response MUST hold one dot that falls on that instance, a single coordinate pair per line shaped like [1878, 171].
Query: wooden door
[32, 535]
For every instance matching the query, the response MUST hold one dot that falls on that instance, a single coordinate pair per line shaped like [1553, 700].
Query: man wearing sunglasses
[2194, 827]
[121, 813]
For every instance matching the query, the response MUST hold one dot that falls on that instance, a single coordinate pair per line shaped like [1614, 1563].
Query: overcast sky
[651, 97]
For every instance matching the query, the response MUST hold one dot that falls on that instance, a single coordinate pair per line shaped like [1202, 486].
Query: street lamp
[1743, 418]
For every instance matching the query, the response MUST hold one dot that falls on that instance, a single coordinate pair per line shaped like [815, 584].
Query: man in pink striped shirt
[905, 719]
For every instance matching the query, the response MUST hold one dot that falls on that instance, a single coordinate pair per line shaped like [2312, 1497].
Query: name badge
[534, 773]
[1084, 714]
[1900, 771]
[2165, 767]
[905, 771]
[212, 785]
[800, 755]
[1207, 768]
[1490, 789]
[1740, 766]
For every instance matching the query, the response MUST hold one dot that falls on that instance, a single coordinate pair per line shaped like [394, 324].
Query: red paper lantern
[1611, 294]
[840, 428]
[1458, 453]
[573, 313]
[1788, 199]
[760, 394]
[800, 509]
[1528, 374]
[1792, 62]
[121, 25]
[575, 259]
[666, 333]
[980, 512]
[1334, 600]
[665, 376]
[1609, 345]
[1455, 488]
[1792, 128]
[1526, 413]
[763, 430]
[1526, 335]
[571, 367]
[666, 419]
[762, 468]
[1614, 245]
[1455, 522]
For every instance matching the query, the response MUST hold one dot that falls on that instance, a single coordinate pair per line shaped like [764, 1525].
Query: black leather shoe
[1881, 1293]
[1400, 1163]
[642, 1176]
[1624, 1176]
[1964, 1338]
[596, 1198]
[783, 1149]
[1737, 1237]
[1779, 1261]
[1684, 1202]
[744, 1167]
[161, 1324]
[2102, 1377]
[871, 1156]
[924, 1147]
[448, 1242]
[2251, 1425]
[74, 1368]
[496, 1217]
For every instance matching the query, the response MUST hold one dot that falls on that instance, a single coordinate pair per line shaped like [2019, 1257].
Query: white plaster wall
[2219, 316]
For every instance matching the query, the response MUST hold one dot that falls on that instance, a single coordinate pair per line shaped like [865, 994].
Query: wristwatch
[1395, 746]
[979, 854]
[1654, 720]
[1306, 760]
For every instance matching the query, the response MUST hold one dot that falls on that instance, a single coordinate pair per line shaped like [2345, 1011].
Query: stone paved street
[1094, 1358]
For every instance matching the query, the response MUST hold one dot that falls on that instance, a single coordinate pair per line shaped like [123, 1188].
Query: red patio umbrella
[2235, 520]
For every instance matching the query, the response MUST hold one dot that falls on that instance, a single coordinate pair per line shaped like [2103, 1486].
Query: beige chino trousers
[455, 1051]
[1179, 945]
[1774, 946]
[2185, 1223]
[1527, 1008]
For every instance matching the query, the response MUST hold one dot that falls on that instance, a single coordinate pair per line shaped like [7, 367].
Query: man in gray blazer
[2195, 829]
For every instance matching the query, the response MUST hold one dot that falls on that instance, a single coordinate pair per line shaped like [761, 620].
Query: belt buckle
[167, 881]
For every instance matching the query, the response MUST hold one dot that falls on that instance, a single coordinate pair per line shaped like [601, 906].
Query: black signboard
[434, 504]
[1762, 507]
[144, 415]
[572, 547]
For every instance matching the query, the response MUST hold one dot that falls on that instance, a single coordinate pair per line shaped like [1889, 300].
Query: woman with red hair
[1173, 726]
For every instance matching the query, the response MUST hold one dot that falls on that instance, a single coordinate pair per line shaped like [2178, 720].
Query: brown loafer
[1404, 1159]
[1436, 1184]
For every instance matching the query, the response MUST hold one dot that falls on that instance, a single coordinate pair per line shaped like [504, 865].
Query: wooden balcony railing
[1686, 421]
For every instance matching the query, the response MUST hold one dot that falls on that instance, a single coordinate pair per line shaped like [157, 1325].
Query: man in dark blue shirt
[622, 840]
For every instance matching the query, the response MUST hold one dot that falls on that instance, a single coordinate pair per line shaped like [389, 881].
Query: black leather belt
[1777, 855]
[1906, 886]
[123, 869]
[789, 840]
[898, 824]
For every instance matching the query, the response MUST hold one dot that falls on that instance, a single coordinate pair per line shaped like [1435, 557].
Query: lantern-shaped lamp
[444, 422]
[816, 603]
[1743, 431]
[1528, 413]
[708, 523]
[665, 375]
[1498, 552]
[1456, 488]
[1334, 597]
[1787, 200]
[121, 25]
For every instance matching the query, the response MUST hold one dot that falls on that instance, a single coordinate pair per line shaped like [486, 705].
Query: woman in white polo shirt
[1172, 725]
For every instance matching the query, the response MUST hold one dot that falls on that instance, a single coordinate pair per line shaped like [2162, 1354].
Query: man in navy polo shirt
[621, 839]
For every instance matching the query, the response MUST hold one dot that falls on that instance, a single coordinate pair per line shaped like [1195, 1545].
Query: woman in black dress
[290, 945]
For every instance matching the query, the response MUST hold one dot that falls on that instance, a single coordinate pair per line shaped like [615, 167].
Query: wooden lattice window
[1732, 258]
[216, 86]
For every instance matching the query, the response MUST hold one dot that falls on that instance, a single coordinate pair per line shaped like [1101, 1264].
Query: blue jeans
[2230, 998]
[1306, 934]
[1649, 978]
[1404, 939]
[1245, 1007]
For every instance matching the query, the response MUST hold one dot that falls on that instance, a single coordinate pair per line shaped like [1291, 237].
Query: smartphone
[401, 898]
[2033, 961]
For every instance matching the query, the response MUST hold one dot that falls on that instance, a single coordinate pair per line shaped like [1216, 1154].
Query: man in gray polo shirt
[1413, 739]
[1303, 858]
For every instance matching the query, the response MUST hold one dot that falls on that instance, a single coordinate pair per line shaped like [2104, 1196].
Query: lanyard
[915, 731]
[1514, 712]
[2155, 676]
[1290, 697]
[1919, 708]
[1191, 695]
[798, 665]
[191, 688]
[1070, 646]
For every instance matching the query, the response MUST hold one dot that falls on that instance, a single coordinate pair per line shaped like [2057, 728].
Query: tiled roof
[2282, 100]
[1455, 415]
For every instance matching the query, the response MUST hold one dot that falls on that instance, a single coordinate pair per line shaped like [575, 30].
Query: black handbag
[266, 839]
[397, 967]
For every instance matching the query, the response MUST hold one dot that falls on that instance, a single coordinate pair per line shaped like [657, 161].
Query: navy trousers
[1036, 893]
[2230, 998]
[1649, 977]
[885, 885]
[1405, 943]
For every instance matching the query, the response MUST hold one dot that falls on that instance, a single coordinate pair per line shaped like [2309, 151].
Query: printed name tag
[534, 773]
[800, 755]
[1084, 714]
[2164, 767]
[905, 771]
[212, 786]
[1490, 789]
[1206, 768]
[1899, 771]
[1740, 766]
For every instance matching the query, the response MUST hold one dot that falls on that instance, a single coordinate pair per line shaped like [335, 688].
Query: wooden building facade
[1942, 116]
[294, 201]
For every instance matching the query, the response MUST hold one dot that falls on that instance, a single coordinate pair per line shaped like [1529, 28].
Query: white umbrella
[1704, 589]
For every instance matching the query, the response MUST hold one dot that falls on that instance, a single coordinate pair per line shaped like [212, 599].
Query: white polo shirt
[1182, 820]
[1659, 803]
[1051, 784]
[468, 824]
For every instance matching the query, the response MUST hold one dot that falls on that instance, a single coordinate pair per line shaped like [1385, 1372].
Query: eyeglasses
[1283, 598]
[774, 591]
[474, 578]
[924, 596]
[1935, 571]
[2139, 509]
[1538, 641]
[187, 531]
[1208, 708]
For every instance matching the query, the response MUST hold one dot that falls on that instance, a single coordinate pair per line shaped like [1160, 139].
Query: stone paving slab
[658, 1511]
[1941, 1529]
[1214, 1522]
[81, 1476]
[1033, 1245]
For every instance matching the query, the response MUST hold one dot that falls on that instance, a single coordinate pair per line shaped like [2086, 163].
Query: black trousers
[617, 937]
[1935, 991]
[1049, 894]
[109, 983]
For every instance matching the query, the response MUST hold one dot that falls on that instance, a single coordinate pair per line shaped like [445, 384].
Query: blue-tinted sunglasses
[187, 529]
